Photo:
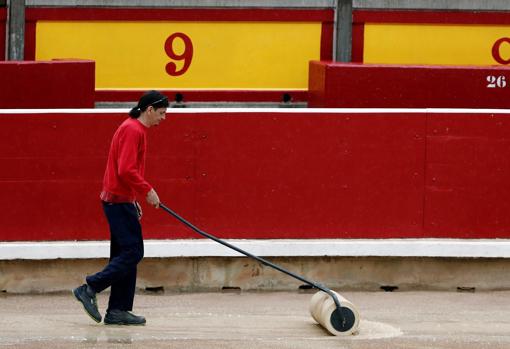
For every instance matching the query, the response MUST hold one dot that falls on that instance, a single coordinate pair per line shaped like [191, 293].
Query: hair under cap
[149, 98]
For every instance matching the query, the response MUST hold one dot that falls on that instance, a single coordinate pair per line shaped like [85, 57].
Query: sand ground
[409, 320]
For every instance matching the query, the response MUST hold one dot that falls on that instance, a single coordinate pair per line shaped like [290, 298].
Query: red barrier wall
[386, 86]
[276, 174]
[54, 84]
[467, 183]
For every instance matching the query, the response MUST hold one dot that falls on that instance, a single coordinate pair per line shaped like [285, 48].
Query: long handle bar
[260, 259]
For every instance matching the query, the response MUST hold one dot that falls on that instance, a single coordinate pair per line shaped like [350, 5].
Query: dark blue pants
[126, 250]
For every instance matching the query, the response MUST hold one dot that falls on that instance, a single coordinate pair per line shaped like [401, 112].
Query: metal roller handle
[260, 259]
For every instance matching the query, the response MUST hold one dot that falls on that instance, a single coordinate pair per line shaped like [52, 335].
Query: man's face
[156, 115]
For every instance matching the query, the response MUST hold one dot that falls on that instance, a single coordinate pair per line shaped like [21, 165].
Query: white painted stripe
[267, 110]
[457, 248]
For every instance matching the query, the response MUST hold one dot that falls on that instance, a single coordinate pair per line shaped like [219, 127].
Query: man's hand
[153, 198]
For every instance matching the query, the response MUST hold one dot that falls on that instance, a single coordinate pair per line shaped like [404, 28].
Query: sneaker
[120, 317]
[89, 302]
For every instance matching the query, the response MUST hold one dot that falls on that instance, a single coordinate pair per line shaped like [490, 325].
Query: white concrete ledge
[456, 248]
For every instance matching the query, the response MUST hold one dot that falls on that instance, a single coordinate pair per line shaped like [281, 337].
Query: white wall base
[460, 248]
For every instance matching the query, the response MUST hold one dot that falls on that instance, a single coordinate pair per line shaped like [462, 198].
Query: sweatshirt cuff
[146, 190]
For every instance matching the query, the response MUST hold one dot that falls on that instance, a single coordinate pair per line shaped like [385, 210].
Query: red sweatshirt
[123, 178]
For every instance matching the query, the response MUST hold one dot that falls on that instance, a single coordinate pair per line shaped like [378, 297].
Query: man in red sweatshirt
[123, 182]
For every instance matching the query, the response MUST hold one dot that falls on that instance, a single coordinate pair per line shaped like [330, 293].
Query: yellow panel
[433, 44]
[226, 55]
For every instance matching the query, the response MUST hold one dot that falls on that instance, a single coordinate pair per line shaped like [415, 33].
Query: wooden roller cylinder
[323, 310]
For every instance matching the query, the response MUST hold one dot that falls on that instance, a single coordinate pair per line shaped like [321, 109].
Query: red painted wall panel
[391, 86]
[289, 174]
[467, 186]
[54, 84]
[309, 176]
[52, 168]
[237, 175]
[178, 14]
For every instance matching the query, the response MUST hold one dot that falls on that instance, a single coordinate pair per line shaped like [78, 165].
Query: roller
[324, 310]
[332, 311]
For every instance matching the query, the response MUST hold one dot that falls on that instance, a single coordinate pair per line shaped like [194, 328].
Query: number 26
[186, 56]
[496, 81]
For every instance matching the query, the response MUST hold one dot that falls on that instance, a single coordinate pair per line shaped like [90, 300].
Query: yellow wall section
[230, 55]
[433, 44]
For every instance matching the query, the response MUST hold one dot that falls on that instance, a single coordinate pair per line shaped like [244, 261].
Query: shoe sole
[86, 312]
[122, 324]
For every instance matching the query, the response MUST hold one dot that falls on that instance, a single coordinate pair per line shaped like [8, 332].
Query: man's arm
[128, 167]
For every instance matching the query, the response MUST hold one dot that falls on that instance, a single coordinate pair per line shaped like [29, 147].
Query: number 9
[186, 55]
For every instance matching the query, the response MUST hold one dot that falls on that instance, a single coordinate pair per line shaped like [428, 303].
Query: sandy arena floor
[409, 320]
